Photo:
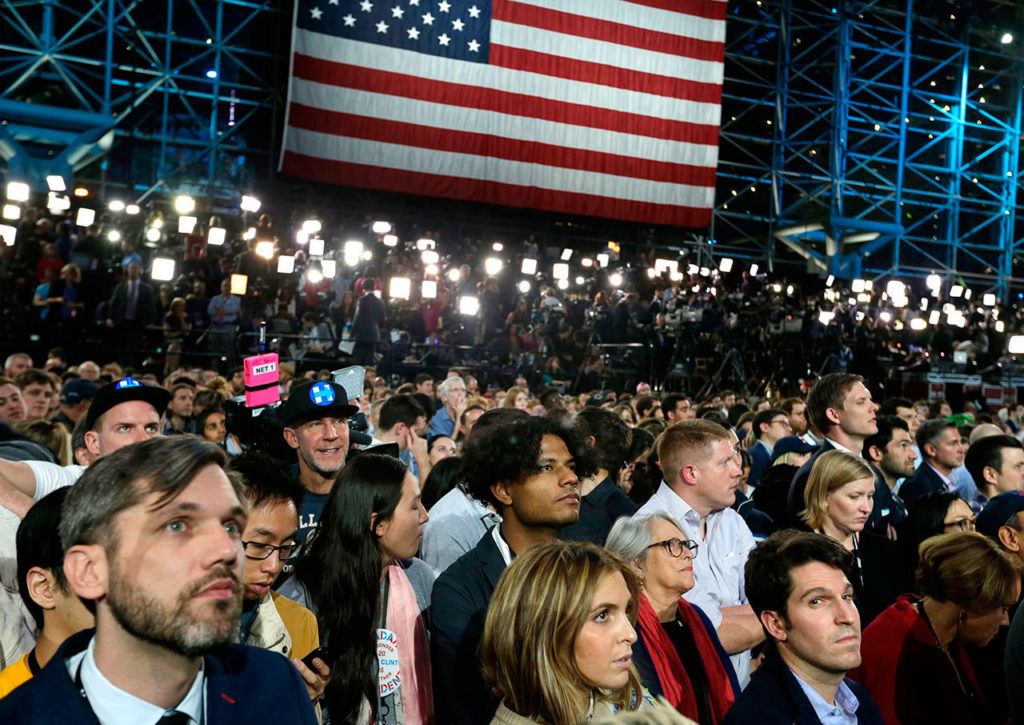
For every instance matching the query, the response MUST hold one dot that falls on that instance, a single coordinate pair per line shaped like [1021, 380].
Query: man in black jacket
[529, 471]
[367, 324]
[132, 308]
[799, 585]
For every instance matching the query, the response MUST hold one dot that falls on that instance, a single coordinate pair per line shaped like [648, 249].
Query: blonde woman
[837, 503]
[557, 642]
[515, 397]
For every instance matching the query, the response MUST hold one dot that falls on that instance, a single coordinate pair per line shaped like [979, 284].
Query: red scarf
[675, 683]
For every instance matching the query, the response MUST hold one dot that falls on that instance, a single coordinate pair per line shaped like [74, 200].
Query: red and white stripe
[627, 127]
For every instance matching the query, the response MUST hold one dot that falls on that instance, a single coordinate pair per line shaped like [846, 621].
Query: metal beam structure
[142, 96]
[875, 137]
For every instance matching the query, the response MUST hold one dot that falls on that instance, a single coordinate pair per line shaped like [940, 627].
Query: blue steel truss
[147, 96]
[875, 136]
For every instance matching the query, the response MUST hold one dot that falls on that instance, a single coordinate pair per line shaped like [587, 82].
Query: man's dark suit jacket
[924, 482]
[145, 306]
[774, 697]
[243, 685]
[369, 319]
[883, 512]
[459, 604]
[760, 460]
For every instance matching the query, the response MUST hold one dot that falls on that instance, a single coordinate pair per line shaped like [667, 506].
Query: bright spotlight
[239, 284]
[1016, 346]
[562, 284]
[918, 323]
[581, 279]
[56, 183]
[285, 264]
[352, 248]
[429, 256]
[454, 275]
[163, 269]
[12, 212]
[250, 203]
[184, 204]
[17, 191]
[424, 244]
[587, 262]
[428, 290]
[933, 282]
[329, 268]
[602, 259]
[390, 240]
[8, 233]
[381, 227]
[826, 316]
[265, 249]
[81, 191]
[988, 299]
[725, 265]
[152, 234]
[469, 305]
[753, 270]
[113, 236]
[956, 291]
[529, 266]
[432, 269]
[652, 272]
[216, 236]
[316, 247]
[57, 203]
[493, 266]
[85, 217]
[560, 270]
[116, 205]
[566, 255]
[524, 285]
[249, 234]
[186, 224]
[211, 74]
[400, 288]
[615, 279]
[311, 226]
[1006, 38]
[498, 247]
[857, 286]
[314, 275]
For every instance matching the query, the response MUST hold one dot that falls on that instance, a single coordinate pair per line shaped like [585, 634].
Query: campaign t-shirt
[309, 517]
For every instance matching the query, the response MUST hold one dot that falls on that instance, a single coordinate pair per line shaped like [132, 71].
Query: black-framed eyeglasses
[962, 524]
[675, 547]
[259, 551]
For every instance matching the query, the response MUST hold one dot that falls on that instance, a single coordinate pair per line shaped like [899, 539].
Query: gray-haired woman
[677, 651]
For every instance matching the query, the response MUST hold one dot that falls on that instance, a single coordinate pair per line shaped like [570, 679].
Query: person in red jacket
[913, 659]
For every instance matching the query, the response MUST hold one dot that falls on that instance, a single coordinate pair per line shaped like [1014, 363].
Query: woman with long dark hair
[370, 595]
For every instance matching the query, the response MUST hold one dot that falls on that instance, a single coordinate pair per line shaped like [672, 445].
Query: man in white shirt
[152, 538]
[122, 413]
[701, 469]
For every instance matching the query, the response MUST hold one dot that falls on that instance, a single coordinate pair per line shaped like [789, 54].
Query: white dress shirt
[114, 706]
[718, 566]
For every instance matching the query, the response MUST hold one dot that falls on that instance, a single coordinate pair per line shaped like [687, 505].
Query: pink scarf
[413, 648]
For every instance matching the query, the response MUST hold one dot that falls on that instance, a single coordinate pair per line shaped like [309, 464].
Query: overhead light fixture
[250, 203]
[400, 288]
[216, 236]
[184, 204]
[186, 224]
[529, 266]
[285, 264]
[163, 269]
[428, 289]
[18, 191]
[56, 182]
[85, 217]
[469, 305]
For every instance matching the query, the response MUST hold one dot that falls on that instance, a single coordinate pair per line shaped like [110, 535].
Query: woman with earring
[913, 661]
[678, 653]
[557, 642]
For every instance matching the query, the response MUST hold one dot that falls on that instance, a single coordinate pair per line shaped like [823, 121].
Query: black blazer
[145, 306]
[243, 685]
[459, 604]
[883, 576]
[774, 697]
[924, 482]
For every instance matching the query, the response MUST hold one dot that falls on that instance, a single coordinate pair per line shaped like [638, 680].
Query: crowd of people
[610, 318]
[430, 552]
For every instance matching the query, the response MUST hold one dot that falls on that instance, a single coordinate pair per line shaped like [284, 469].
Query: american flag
[604, 108]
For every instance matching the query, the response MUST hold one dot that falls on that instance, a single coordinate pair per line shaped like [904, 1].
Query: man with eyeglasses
[269, 620]
[769, 426]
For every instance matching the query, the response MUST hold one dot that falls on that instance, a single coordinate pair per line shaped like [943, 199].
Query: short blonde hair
[687, 441]
[831, 471]
[968, 569]
[539, 607]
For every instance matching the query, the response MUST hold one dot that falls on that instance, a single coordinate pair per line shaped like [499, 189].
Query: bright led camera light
[216, 236]
[560, 270]
[725, 265]
[17, 191]
[250, 203]
[116, 205]
[615, 279]
[529, 266]
[400, 288]
[85, 217]
[12, 212]
[312, 226]
[239, 284]
[1016, 345]
[493, 266]
[381, 227]
[8, 233]
[316, 247]
[186, 224]
[524, 285]
[285, 264]
[469, 305]
[184, 204]
[428, 289]
[163, 269]
[265, 249]
[56, 183]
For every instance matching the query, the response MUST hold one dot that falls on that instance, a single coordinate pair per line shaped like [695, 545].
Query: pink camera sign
[261, 380]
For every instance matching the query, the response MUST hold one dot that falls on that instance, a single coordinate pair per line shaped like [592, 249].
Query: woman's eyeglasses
[675, 547]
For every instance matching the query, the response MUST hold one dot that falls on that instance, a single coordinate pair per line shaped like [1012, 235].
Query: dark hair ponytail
[342, 570]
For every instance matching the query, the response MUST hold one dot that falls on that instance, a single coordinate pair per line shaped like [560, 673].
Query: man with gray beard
[152, 539]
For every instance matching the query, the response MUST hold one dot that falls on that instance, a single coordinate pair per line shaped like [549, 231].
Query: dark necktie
[175, 718]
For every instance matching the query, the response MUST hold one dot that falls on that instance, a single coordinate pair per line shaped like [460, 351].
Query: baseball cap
[998, 511]
[77, 390]
[315, 399]
[123, 391]
[791, 444]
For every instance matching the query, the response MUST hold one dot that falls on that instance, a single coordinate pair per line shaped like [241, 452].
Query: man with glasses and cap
[121, 413]
[315, 418]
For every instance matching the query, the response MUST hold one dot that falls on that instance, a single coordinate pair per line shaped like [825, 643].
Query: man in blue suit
[770, 426]
[152, 539]
[942, 451]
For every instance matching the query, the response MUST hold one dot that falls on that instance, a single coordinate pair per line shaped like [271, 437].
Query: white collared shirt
[718, 566]
[947, 480]
[840, 446]
[506, 552]
[114, 706]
